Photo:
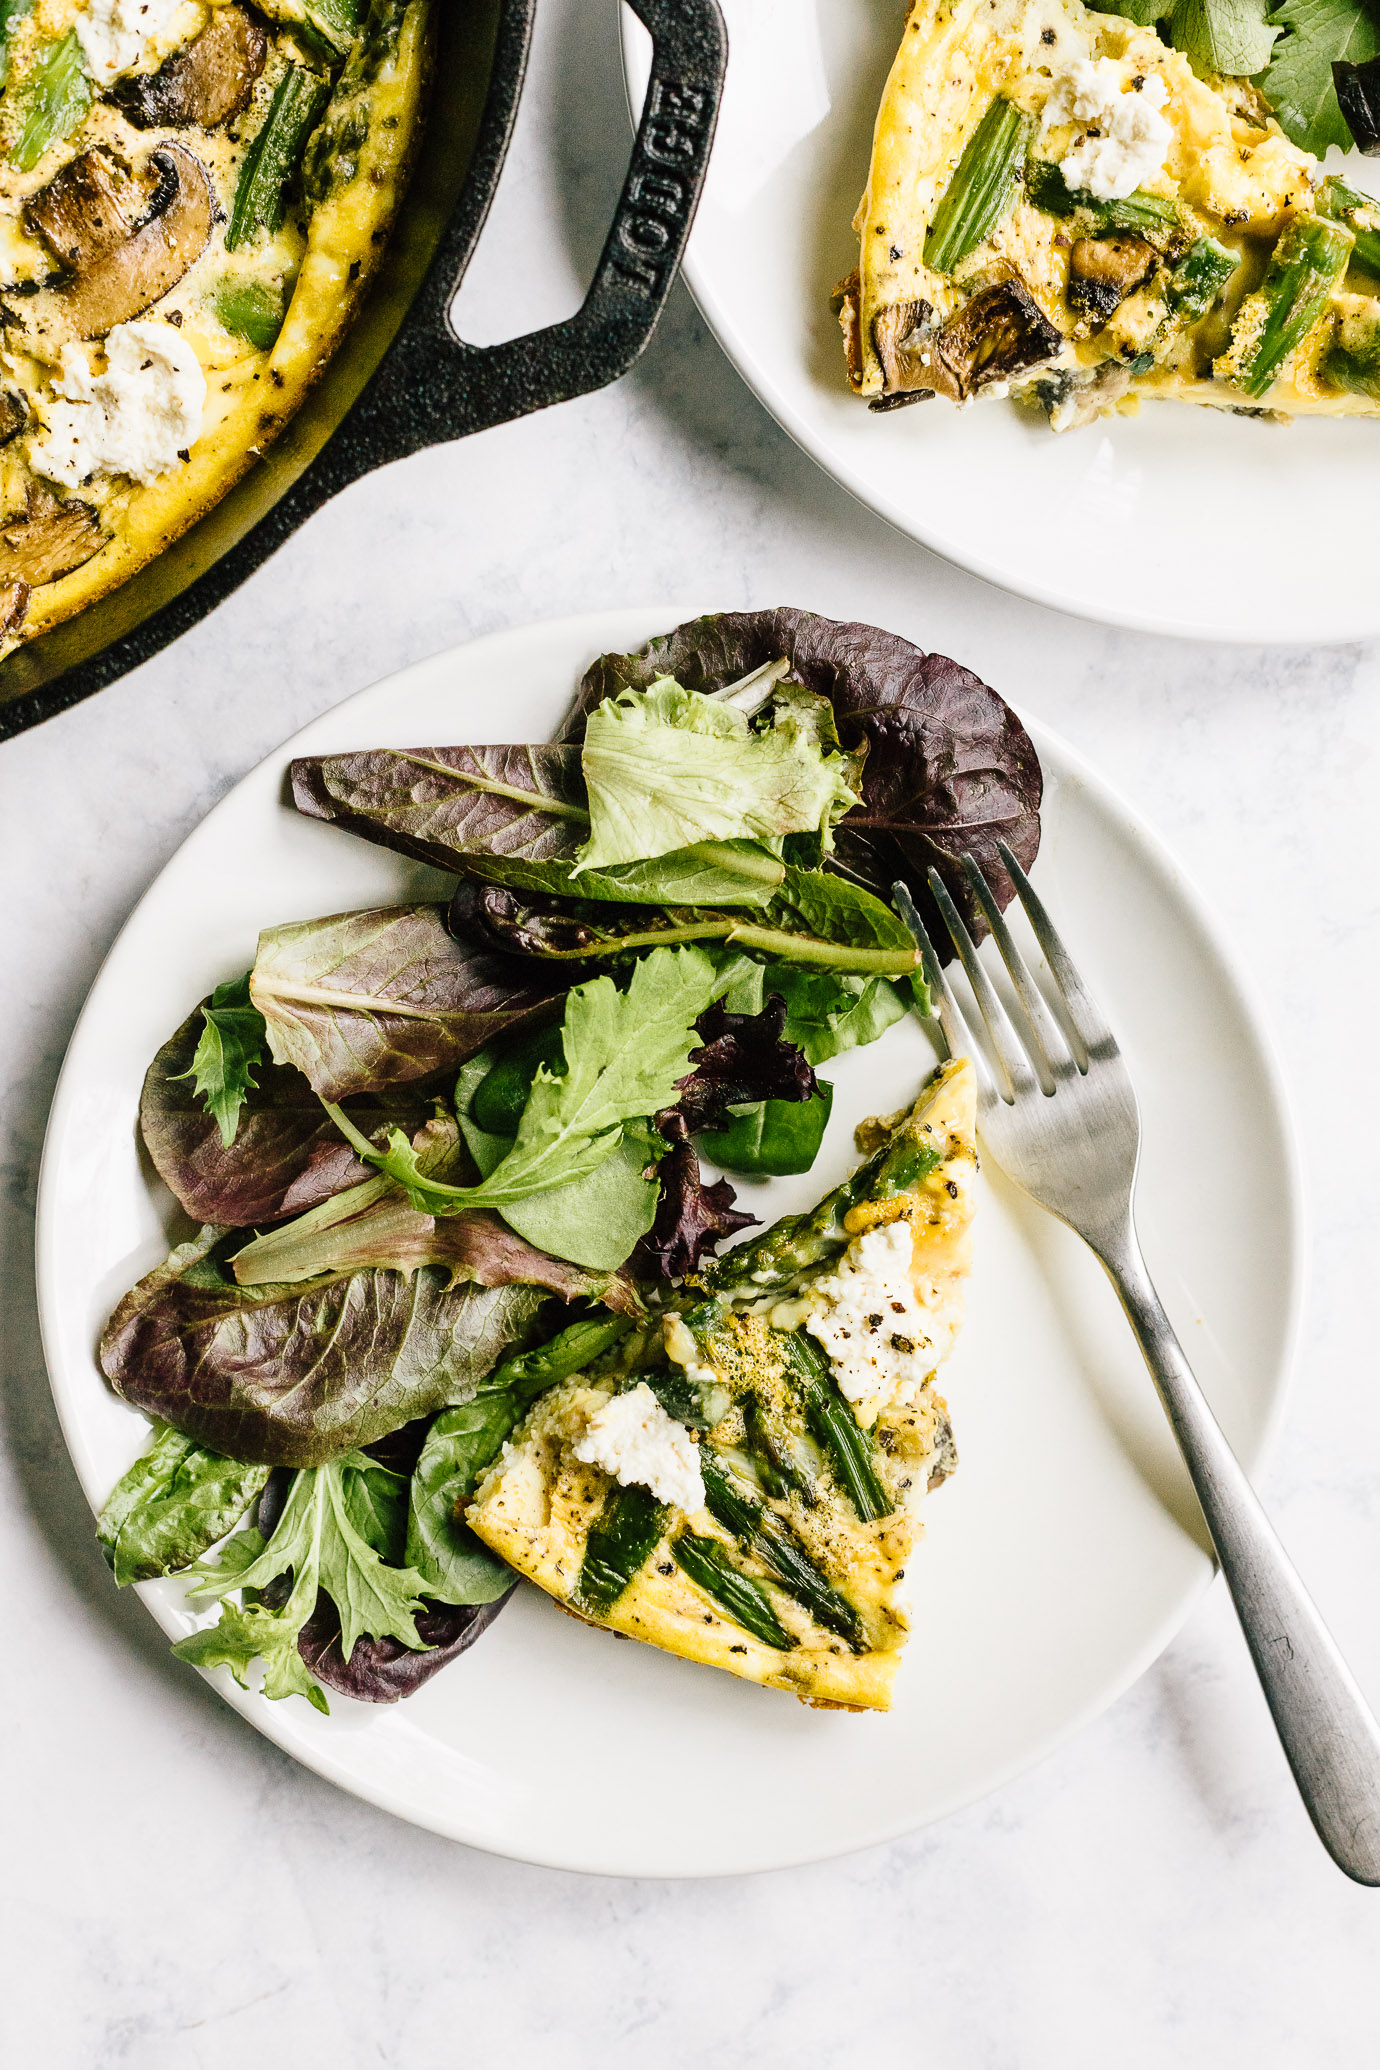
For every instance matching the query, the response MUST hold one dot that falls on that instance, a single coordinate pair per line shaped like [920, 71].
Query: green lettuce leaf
[624, 1053]
[1299, 85]
[173, 1505]
[666, 767]
[244, 1635]
[323, 1541]
[231, 1044]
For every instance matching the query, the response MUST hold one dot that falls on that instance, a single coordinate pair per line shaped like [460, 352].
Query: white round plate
[1057, 1563]
[1181, 520]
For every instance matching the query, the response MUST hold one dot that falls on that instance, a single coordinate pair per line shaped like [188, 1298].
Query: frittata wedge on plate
[1060, 209]
[739, 1483]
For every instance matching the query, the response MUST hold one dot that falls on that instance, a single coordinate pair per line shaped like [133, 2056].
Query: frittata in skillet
[739, 1483]
[192, 197]
[1060, 209]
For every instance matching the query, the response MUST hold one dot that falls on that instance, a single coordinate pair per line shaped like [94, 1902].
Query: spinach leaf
[624, 1055]
[667, 767]
[454, 1565]
[462, 1442]
[950, 769]
[772, 1139]
[172, 1506]
[230, 1046]
[361, 1001]
[287, 1154]
[293, 1376]
[323, 1540]
[1299, 83]
[826, 1013]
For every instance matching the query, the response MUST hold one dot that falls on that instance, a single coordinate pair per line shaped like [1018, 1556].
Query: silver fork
[1059, 1115]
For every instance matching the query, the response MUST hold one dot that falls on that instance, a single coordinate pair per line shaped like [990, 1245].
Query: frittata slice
[741, 1487]
[1060, 209]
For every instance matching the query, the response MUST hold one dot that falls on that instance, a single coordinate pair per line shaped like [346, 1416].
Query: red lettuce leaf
[421, 801]
[690, 1217]
[745, 1058]
[287, 1155]
[384, 1670]
[361, 1001]
[292, 1376]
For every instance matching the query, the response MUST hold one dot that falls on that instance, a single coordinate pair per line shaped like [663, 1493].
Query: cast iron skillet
[402, 379]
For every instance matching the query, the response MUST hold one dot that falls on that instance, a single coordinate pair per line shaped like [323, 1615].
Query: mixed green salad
[437, 1157]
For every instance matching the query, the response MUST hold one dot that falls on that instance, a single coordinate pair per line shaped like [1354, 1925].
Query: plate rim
[276, 1721]
[757, 380]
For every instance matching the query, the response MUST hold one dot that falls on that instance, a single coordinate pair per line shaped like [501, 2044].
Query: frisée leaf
[667, 767]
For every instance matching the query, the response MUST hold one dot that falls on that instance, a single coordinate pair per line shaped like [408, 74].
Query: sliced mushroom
[998, 333]
[14, 415]
[903, 339]
[1103, 271]
[14, 602]
[122, 281]
[92, 204]
[206, 83]
[844, 303]
[51, 539]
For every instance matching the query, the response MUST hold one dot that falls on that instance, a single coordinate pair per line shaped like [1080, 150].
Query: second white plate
[1057, 1563]
[1180, 520]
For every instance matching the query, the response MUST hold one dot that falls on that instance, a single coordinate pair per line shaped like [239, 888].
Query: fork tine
[947, 1013]
[1007, 1047]
[1040, 1031]
[1084, 1012]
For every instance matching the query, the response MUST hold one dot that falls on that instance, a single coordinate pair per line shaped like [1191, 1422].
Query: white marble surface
[177, 1895]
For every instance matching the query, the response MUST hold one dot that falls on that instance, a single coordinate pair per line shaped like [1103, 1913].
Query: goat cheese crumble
[875, 1331]
[137, 418]
[1125, 135]
[115, 34]
[634, 1439]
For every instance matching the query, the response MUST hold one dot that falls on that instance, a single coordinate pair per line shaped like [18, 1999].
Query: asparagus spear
[837, 1428]
[1309, 260]
[249, 309]
[737, 1594]
[271, 160]
[1360, 214]
[1199, 279]
[326, 27]
[530, 1373]
[979, 193]
[59, 96]
[763, 1533]
[1150, 215]
[1353, 359]
[780, 1470]
[621, 1543]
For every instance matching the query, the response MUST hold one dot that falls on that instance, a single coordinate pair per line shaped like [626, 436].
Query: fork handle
[1328, 1731]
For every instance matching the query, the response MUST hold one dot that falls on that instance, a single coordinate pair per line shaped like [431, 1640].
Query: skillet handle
[433, 387]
